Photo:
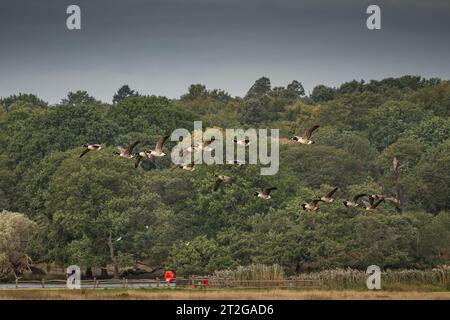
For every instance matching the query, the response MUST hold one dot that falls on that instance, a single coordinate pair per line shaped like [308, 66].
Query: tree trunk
[113, 258]
[104, 273]
[88, 273]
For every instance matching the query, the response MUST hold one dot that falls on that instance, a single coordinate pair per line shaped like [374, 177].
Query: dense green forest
[173, 219]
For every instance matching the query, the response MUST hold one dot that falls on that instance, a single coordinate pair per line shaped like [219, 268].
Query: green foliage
[260, 88]
[16, 232]
[123, 93]
[322, 93]
[21, 99]
[173, 218]
[198, 256]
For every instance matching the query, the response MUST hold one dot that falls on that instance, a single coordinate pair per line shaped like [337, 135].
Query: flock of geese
[373, 200]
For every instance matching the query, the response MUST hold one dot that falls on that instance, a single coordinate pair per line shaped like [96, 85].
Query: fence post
[123, 283]
[157, 282]
[17, 283]
[43, 283]
[126, 283]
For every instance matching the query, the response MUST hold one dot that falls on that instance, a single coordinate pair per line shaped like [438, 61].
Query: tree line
[72, 210]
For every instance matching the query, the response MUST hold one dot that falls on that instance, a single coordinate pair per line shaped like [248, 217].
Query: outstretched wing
[308, 133]
[217, 184]
[366, 204]
[267, 191]
[160, 143]
[330, 194]
[377, 203]
[130, 148]
[84, 152]
[137, 160]
[355, 198]
[208, 142]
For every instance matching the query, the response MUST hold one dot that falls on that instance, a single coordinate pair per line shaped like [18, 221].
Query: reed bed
[347, 278]
[259, 276]
[255, 275]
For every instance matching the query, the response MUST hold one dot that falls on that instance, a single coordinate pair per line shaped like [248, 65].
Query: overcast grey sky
[162, 46]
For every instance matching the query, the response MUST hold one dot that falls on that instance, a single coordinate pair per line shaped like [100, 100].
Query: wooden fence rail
[191, 282]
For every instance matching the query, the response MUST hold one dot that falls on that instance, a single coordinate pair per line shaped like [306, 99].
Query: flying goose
[372, 204]
[199, 147]
[305, 139]
[245, 142]
[225, 180]
[328, 197]
[89, 147]
[312, 205]
[236, 163]
[139, 156]
[395, 201]
[265, 194]
[353, 203]
[128, 152]
[158, 148]
[185, 166]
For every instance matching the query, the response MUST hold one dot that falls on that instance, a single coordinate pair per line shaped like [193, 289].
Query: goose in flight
[372, 204]
[312, 205]
[225, 180]
[236, 163]
[265, 194]
[185, 166]
[89, 147]
[200, 146]
[306, 138]
[158, 148]
[245, 142]
[128, 152]
[139, 156]
[353, 203]
[328, 197]
[395, 201]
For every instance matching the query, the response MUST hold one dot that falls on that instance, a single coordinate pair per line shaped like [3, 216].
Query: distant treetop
[23, 98]
[123, 93]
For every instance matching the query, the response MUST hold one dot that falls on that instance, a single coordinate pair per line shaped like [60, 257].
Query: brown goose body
[265, 194]
[223, 180]
[312, 205]
[306, 138]
[328, 197]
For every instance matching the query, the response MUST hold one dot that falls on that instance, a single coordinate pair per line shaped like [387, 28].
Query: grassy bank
[244, 294]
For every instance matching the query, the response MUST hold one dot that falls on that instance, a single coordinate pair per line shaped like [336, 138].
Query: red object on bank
[169, 276]
[205, 282]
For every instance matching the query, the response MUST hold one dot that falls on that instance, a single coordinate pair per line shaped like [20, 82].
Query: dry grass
[171, 294]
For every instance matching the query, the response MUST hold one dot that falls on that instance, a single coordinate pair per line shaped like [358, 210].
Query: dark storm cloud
[160, 47]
